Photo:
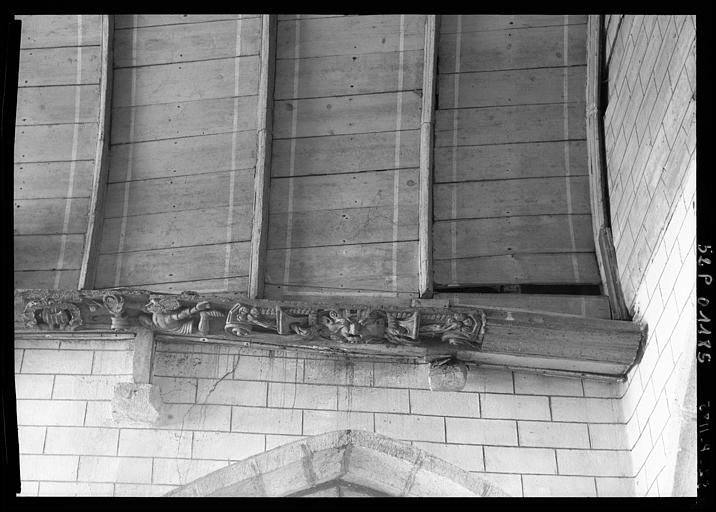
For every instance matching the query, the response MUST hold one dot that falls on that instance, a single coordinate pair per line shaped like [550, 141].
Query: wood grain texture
[597, 168]
[604, 371]
[40, 252]
[427, 149]
[56, 105]
[349, 35]
[343, 75]
[284, 17]
[200, 117]
[172, 265]
[502, 125]
[58, 66]
[501, 198]
[611, 282]
[124, 21]
[513, 49]
[344, 153]
[186, 81]
[506, 161]
[200, 285]
[50, 31]
[262, 178]
[321, 294]
[177, 157]
[343, 227]
[53, 143]
[606, 254]
[595, 306]
[46, 216]
[359, 190]
[101, 160]
[45, 278]
[513, 235]
[346, 114]
[181, 193]
[482, 23]
[515, 87]
[51, 179]
[519, 269]
[176, 229]
[354, 267]
[187, 42]
[592, 346]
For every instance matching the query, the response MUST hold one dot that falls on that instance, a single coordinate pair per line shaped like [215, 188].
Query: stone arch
[373, 463]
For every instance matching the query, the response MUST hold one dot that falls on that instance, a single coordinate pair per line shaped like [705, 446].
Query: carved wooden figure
[115, 305]
[168, 316]
[46, 314]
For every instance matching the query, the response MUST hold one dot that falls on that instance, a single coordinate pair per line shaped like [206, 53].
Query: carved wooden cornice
[489, 336]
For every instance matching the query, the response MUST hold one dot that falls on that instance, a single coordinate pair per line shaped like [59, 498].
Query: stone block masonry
[223, 404]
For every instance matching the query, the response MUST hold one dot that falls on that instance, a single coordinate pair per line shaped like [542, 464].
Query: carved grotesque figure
[50, 315]
[167, 315]
[348, 326]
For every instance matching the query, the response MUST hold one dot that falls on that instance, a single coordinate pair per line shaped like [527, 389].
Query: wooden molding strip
[598, 190]
[262, 177]
[425, 227]
[101, 162]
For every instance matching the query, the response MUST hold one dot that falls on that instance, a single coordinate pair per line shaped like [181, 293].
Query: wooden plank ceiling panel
[492, 50]
[49, 180]
[511, 189]
[58, 66]
[195, 263]
[186, 42]
[512, 235]
[180, 195]
[344, 188]
[127, 21]
[336, 154]
[185, 81]
[542, 269]
[182, 156]
[56, 105]
[509, 161]
[349, 35]
[55, 144]
[50, 31]
[504, 198]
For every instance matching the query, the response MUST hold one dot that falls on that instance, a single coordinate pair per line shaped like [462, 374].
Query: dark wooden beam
[101, 162]
[599, 193]
[507, 337]
[262, 178]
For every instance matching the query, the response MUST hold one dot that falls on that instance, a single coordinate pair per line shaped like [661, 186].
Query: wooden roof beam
[101, 162]
[598, 189]
[427, 125]
[262, 177]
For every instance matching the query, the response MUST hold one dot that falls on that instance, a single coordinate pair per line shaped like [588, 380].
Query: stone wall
[650, 130]
[531, 435]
